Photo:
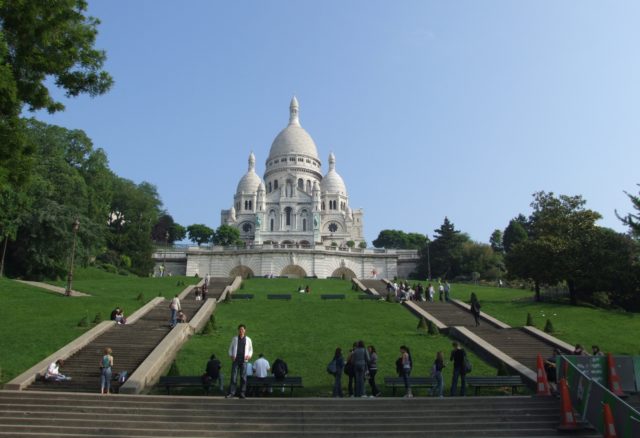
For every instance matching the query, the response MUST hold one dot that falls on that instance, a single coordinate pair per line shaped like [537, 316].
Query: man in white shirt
[175, 307]
[261, 370]
[240, 352]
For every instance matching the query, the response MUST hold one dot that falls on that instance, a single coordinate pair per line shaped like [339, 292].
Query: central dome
[293, 140]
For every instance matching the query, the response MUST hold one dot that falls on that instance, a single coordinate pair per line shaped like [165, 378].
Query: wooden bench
[242, 296]
[414, 382]
[279, 296]
[254, 384]
[332, 296]
[494, 382]
[183, 382]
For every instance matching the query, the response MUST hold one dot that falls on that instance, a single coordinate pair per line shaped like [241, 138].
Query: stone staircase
[46, 414]
[515, 342]
[131, 344]
[378, 285]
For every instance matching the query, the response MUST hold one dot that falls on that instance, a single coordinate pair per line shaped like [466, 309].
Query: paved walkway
[52, 288]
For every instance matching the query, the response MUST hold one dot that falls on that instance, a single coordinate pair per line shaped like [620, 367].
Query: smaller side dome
[250, 182]
[332, 181]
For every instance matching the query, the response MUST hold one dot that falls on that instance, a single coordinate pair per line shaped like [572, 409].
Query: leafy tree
[41, 42]
[227, 235]
[633, 220]
[362, 245]
[166, 229]
[496, 241]
[480, 258]
[515, 232]
[351, 243]
[200, 233]
[396, 239]
[561, 233]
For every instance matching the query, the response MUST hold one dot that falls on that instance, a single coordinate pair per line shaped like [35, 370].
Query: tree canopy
[227, 235]
[396, 239]
[200, 233]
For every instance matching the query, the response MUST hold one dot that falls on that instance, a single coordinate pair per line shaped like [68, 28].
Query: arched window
[251, 205]
[246, 205]
[269, 189]
[275, 185]
[287, 212]
[323, 205]
[271, 225]
[308, 186]
[300, 183]
[304, 224]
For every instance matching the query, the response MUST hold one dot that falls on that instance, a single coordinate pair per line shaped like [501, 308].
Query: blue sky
[432, 108]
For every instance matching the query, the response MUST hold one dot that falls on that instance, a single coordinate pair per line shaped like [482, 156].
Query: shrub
[529, 319]
[362, 245]
[84, 322]
[433, 330]
[502, 369]
[98, 318]
[227, 298]
[140, 297]
[334, 244]
[390, 298]
[422, 324]
[173, 370]
[210, 327]
[110, 268]
[351, 243]
[548, 327]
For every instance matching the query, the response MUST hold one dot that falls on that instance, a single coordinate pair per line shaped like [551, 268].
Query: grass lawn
[35, 323]
[306, 330]
[613, 331]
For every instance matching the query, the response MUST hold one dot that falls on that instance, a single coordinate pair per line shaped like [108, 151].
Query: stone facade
[289, 261]
[294, 204]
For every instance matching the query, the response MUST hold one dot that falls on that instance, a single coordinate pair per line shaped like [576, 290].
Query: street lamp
[166, 248]
[75, 227]
[428, 260]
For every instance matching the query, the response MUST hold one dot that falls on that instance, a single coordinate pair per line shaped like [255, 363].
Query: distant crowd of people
[417, 292]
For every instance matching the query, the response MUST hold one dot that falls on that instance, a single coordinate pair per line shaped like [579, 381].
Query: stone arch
[293, 271]
[344, 273]
[241, 270]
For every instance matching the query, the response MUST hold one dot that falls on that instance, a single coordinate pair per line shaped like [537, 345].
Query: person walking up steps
[240, 352]
[175, 307]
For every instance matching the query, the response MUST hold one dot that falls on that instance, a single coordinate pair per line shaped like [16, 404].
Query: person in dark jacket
[458, 356]
[212, 373]
[337, 381]
[475, 309]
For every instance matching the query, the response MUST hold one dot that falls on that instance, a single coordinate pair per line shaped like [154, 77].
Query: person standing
[405, 362]
[441, 292]
[458, 356]
[337, 376]
[373, 370]
[174, 306]
[360, 360]
[431, 292]
[106, 365]
[240, 352]
[475, 309]
[436, 372]
[447, 291]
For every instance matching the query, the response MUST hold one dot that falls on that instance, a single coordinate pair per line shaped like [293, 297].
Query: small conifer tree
[529, 319]
[433, 329]
[140, 297]
[422, 325]
[173, 370]
[502, 369]
[548, 327]
[390, 298]
[98, 318]
[84, 322]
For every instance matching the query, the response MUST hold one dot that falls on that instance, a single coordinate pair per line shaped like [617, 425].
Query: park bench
[415, 382]
[256, 385]
[332, 296]
[279, 296]
[478, 382]
[242, 296]
[183, 382]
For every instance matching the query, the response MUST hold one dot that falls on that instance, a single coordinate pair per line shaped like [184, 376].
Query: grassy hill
[306, 331]
[35, 323]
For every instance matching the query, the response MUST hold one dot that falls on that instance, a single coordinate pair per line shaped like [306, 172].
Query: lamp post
[166, 248]
[428, 260]
[75, 227]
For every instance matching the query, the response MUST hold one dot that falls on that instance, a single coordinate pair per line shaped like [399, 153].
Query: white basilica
[294, 204]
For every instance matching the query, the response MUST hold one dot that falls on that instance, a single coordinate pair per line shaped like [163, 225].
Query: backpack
[280, 369]
[332, 368]
[122, 377]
